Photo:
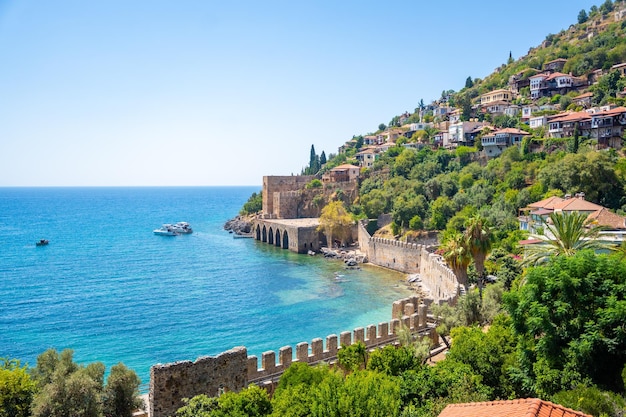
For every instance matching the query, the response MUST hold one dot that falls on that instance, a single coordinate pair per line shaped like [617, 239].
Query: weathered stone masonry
[234, 369]
[436, 277]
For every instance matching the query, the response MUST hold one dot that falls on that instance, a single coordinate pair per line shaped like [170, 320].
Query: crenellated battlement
[233, 370]
[435, 277]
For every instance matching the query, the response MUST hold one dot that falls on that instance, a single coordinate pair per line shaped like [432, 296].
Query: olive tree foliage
[121, 393]
[16, 389]
[67, 389]
[592, 173]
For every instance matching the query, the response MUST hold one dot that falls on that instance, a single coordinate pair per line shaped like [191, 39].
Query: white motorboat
[166, 230]
[182, 228]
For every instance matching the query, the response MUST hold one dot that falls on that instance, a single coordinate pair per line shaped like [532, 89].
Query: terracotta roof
[529, 407]
[557, 75]
[541, 212]
[547, 203]
[612, 112]
[571, 117]
[576, 204]
[585, 95]
[512, 131]
[344, 167]
[605, 217]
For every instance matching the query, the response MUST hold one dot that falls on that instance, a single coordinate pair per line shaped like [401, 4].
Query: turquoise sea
[112, 291]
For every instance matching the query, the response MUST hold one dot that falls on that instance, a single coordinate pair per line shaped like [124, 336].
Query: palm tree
[457, 255]
[567, 233]
[479, 240]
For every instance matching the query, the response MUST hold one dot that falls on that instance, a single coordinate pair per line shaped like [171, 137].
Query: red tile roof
[605, 217]
[571, 117]
[576, 204]
[344, 167]
[557, 75]
[512, 131]
[529, 407]
[547, 203]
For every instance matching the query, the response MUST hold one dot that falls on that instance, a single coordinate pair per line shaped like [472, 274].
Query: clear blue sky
[118, 92]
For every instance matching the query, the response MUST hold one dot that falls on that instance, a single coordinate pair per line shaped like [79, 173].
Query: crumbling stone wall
[170, 383]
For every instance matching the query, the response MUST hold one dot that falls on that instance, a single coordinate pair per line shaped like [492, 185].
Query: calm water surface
[112, 291]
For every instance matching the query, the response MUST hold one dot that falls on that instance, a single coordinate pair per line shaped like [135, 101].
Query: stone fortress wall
[273, 185]
[233, 370]
[435, 277]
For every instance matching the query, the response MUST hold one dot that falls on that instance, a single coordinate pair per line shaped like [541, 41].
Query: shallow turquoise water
[110, 289]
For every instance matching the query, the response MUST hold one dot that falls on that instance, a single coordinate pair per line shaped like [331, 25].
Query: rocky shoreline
[240, 225]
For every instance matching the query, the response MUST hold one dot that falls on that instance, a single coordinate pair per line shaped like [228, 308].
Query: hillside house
[547, 85]
[621, 68]
[520, 80]
[342, 173]
[533, 217]
[370, 140]
[367, 157]
[496, 142]
[538, 121]
[463, 133]
[555, 65]
[607, 127]
[527, 111]
[415, 127]
[496, 96]
[583, 100]
[563, 125]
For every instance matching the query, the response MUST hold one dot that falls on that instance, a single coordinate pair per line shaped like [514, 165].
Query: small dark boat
[42, 242]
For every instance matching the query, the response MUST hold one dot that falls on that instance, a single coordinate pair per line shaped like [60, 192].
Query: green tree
[382, 126]
[490, 354]
[582, 16]
[569, 319]
[374, 203]
[335, 222]
[565, 234]
[121, 394]
[253, 205]
[469, 83]
[369, 394]
[198, 406]
[591, 400]
[249, 402]
[323, 156]
[16, 389]
[393, 360]
[352, 358]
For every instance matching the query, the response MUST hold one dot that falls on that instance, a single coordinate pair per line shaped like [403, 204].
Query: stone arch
[270, 236]
[277, 240]
[264, 234]
[258, 232]
[285, 240]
